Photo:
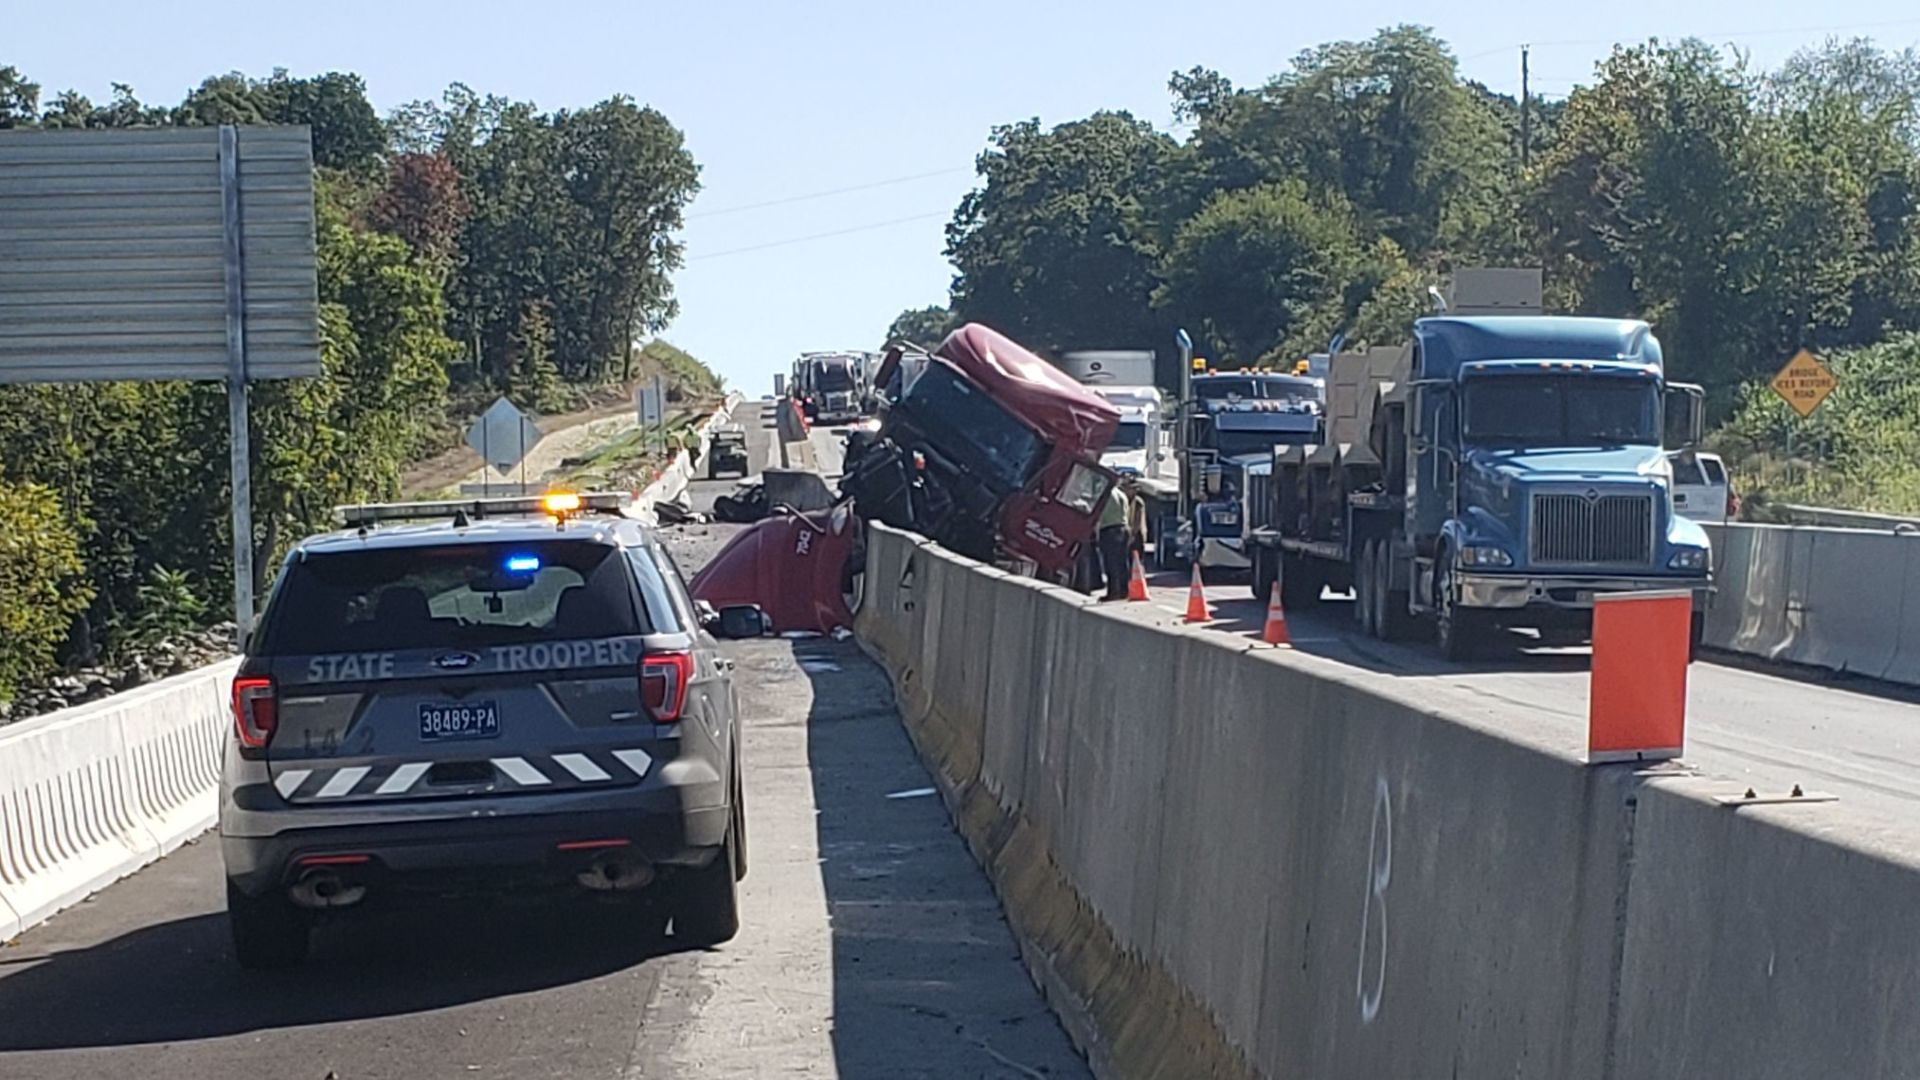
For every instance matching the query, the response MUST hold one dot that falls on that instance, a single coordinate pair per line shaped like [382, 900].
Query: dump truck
[1500, 470]
[1228, 424]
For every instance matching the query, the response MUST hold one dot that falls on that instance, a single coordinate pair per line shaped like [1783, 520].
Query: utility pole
[1526, 111]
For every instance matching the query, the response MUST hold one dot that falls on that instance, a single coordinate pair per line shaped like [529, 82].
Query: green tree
[923, 326]
[1059, 245]
[576, 211]
[19, 99]
[1422, 158]
[1261, 269]
[1744, 218]
[42, 586]
[347, 132]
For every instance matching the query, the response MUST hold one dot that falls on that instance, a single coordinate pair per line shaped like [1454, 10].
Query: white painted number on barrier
[1373, 909]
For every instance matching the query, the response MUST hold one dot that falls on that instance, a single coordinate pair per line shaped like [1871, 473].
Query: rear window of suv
[454, 595]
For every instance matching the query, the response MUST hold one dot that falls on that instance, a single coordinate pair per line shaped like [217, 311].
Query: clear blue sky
[781, 99]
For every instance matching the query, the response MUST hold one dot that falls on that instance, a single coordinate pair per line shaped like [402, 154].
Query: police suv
[497, 694]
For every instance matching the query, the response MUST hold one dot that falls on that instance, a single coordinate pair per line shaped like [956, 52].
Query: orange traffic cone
[1275, 631]
[1197, 599]
[1137, 582]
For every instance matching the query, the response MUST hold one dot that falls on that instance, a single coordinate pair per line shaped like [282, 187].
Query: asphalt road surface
[872, 946]
[1756, 726]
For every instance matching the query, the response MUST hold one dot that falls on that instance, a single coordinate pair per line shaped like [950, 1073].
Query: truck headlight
[1484, 555]
[1688, 558]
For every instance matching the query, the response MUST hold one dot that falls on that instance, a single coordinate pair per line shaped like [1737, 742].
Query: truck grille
[1259, 491]
[1601, 530]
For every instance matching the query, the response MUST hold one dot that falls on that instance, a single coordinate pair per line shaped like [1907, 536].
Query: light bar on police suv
[608, 502]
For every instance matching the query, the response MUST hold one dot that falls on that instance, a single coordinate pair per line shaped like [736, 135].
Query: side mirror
[738, 621]
[1686, 415]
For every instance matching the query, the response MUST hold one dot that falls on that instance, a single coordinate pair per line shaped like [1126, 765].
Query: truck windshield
[1582, 411]
[1131, 435]
[960, 419]
[832, 378]
[1219, 389]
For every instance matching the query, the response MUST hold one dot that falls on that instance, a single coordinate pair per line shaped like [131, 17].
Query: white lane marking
[402, 779]
[582, 767]
[637, 760]
[289, 780]
[342, 782]
[521, 772]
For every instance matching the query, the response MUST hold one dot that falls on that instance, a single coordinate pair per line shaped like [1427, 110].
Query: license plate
[478, 720]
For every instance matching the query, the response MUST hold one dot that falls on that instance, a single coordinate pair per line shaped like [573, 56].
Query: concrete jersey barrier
[1227, 861]
[92, 793]
[1831, 598]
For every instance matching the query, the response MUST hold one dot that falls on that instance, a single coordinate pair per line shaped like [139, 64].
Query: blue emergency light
[522, 564]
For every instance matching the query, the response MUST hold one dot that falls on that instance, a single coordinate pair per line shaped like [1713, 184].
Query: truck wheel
[1299, 583]
[1393, 622]
[268, 931]
[1381, 596]
[1266, 567]
[1458, 631]
[1363, 589]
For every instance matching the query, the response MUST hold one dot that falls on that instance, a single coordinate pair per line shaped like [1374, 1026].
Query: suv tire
[268, 931]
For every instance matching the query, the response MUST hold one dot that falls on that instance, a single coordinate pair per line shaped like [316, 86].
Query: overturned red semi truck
[982, 446]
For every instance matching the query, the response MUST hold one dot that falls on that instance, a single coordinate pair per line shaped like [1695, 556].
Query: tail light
[256, 711]
[664, 678]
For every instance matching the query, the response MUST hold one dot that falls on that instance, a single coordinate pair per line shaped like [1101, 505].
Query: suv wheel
[706, 902]
[268, 931]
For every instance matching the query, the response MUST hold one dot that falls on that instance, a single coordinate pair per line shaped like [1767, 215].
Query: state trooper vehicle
[492, 695]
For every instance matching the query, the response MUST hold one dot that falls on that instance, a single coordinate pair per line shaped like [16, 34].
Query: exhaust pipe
[321, 889]
[616, 873]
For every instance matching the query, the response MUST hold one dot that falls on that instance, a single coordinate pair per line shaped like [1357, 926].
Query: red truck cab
[982, 446]
[989, 449]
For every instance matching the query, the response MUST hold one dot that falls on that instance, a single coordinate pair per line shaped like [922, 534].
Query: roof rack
[364, 514]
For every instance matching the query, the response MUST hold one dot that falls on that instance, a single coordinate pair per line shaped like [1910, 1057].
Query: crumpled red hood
[1066, 413]
[789, 564]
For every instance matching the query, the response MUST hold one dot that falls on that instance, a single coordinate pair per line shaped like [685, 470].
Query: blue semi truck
[1496, 472]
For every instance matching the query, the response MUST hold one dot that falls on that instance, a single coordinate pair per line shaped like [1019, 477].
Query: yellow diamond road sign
[1805, 382]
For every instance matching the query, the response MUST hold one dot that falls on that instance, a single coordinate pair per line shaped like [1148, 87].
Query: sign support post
[238, 421]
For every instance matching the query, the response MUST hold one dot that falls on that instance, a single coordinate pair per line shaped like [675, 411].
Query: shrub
[41, 583]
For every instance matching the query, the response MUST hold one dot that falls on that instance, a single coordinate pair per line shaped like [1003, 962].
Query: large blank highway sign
[112, 255]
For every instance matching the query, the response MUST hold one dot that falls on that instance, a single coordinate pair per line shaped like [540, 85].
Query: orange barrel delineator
[1638, 703]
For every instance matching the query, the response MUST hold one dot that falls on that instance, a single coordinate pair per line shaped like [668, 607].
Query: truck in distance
[831, 386]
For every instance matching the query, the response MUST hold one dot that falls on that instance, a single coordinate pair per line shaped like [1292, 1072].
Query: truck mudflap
[1564, 592]
[1224, 554]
